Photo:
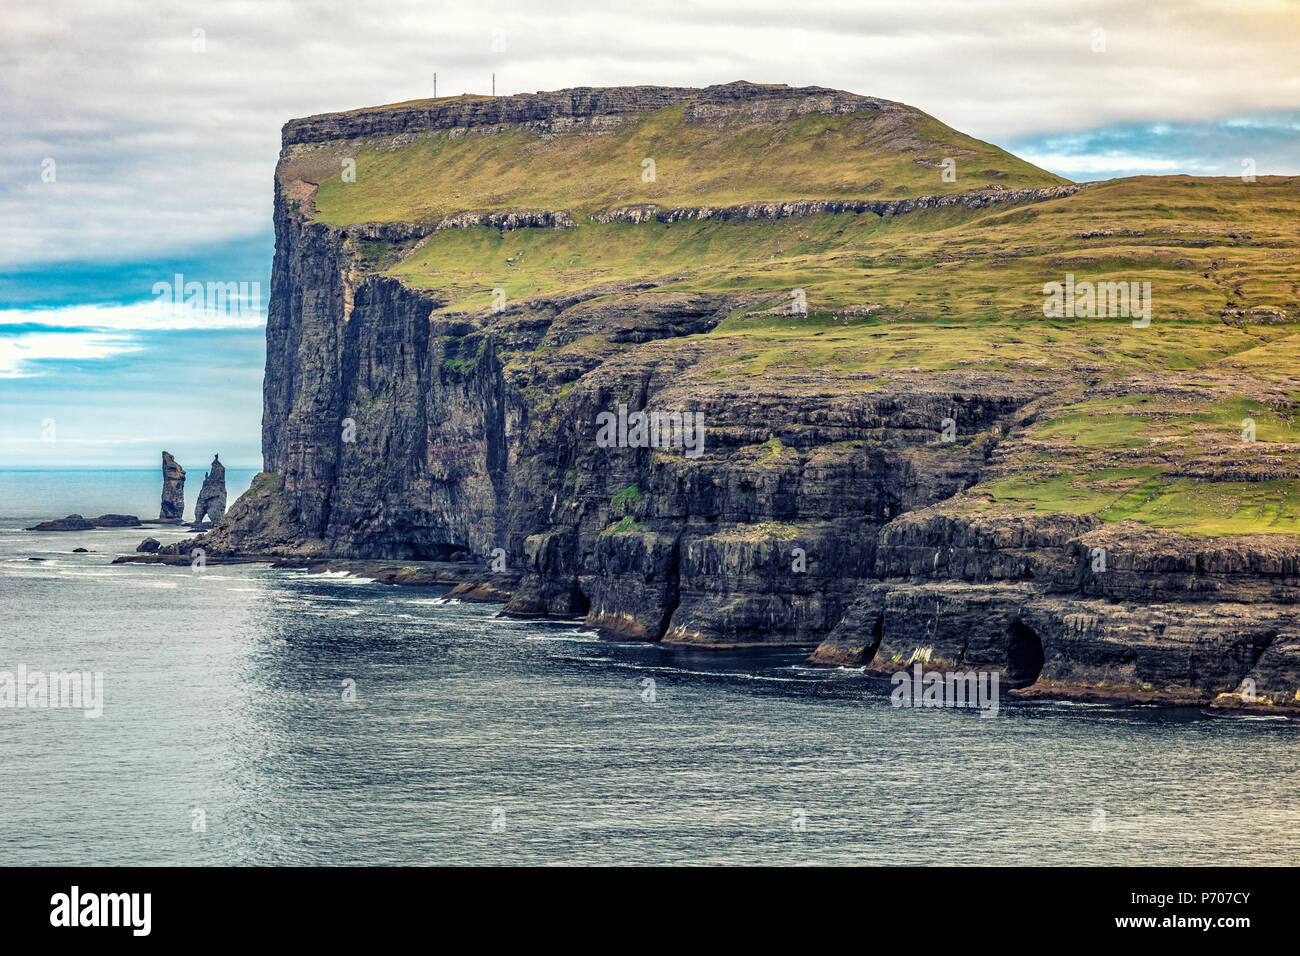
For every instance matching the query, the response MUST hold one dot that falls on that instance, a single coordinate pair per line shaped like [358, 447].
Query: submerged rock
[173, 493]
[212, 496]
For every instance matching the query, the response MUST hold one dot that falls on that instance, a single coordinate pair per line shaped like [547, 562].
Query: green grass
[625, 499]
[1098, 430]
[1271, 425]
[871, 153]
[1063, 463]
[1058, 493]
[1215, 507]
[623, 525]
[778, 530]
[1211, 508]
[949, 267]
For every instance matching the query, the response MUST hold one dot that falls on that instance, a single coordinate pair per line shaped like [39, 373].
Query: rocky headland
[901, 457]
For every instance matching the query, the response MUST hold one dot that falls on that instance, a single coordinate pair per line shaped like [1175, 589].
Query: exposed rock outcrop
[801, 209]
[70, 523]
[1160, 612]
[514, 219]
[78, 523]
[565, 110]
[116, 521]
[173, 492]
[212, 496]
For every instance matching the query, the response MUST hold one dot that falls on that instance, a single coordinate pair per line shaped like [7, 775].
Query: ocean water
[32, 495]
[226, 738]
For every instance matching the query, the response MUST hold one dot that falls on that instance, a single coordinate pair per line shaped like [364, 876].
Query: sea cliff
[901, 457]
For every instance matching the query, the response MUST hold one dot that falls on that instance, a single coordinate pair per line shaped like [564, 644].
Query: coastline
[472, 583]
[467, 581]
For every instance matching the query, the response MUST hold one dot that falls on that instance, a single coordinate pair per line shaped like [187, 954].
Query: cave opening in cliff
[877, 635]
[1024, 655]
[438, 551]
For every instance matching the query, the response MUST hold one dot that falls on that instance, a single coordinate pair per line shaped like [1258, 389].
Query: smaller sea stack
[212, 496]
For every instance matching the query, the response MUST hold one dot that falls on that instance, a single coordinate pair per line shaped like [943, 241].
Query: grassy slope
[869, 154]
[949, 290]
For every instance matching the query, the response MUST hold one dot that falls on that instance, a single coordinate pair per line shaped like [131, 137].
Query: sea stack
[212, 496]
[173, 493]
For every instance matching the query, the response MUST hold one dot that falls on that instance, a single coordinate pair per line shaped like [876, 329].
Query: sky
[140, 138]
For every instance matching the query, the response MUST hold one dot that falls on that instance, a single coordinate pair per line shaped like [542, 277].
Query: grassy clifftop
[698, 160]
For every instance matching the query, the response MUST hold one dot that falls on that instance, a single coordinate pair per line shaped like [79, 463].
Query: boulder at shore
[173, 493]
[212, 496]
[149, 545]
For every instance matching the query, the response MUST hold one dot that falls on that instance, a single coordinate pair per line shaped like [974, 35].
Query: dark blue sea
[229, 735]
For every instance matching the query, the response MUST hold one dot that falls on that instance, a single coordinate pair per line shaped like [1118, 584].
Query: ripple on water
[326, 718]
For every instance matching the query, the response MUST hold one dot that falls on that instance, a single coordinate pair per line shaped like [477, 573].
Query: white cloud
[159, 147]
[1109, 164]
[157, 315]
[95, 332]
[18, 352]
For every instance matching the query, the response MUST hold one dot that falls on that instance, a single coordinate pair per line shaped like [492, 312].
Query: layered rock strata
[824, 511]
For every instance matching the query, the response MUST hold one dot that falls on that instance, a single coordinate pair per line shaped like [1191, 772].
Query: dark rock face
[562, 110]
[1193, 618]
[750, 212]
[173, 493]
[212, 496]
[148, 545]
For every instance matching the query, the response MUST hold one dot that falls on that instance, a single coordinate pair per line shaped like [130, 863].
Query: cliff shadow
[430, 551]
[1024, 654]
